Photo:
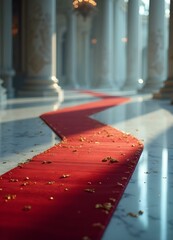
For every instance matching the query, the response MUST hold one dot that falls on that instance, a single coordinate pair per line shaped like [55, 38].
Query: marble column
[84, 50]
[61, 30]
[86, 38]
[133, 58]
[71, 54]
[95, 48]
[7, 71]
[166, 92]
[40, 30]
[105, 62]
[171, 50]
[156, 46]
[116, 44]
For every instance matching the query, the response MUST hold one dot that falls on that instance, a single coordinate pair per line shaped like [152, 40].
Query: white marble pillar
[61, 29]
[40, 54]
[86, 38]
[170, 58]
[7, 71]
[116, 43]
[84, 30]
[95, 49]
[105, 62]
[71, 54]
[166, 92]
[133, 58]
[156, 46]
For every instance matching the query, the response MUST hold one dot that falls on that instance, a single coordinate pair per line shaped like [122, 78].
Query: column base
[166, 92]
[41, 88]
[105, 85]
[72, 86]
[131, 88]
[151, 87]
[7, 77]
[129, 91]
[3, 96]
[163, 95]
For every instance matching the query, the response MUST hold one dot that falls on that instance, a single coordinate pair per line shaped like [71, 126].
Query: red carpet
[70, 191]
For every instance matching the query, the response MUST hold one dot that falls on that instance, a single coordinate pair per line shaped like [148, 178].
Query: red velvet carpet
[70, 191]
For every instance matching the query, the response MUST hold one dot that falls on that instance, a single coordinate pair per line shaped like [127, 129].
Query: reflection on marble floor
[23, 135]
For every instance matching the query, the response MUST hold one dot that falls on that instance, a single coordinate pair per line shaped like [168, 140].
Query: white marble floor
[23, 135]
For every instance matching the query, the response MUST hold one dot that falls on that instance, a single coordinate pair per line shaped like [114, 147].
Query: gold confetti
[110, 135]
[82, 139]
[140, 212]
[120, 184]
[64, 146]
[98, 205]
[50, 182]
[112, 199]
[10, 197]
[13, 180]
[65, 176]
[27, 208]
[106, 206]
[46, 162]
[110, 159]
[90, 190]
[124, 178]
[25, 183]
[98, 225]
[132, 214]
[104, 160]
[86, 238]
[51, 198]
[20, 165]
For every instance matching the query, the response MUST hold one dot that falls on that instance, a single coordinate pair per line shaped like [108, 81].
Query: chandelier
[84, 7]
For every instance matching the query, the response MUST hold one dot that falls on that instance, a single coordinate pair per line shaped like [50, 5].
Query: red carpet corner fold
[70, 191]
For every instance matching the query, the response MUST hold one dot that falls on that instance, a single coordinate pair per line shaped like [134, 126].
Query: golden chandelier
[84, 7]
